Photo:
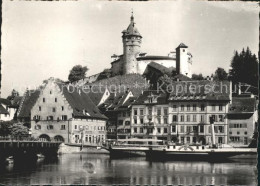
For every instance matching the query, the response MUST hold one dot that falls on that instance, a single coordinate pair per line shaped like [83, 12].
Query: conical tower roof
[131, 29]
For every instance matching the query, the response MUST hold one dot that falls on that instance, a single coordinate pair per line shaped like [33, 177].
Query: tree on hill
[244, 68]
[77, 72]
[107, 73]
[220, 74]
[197, 77]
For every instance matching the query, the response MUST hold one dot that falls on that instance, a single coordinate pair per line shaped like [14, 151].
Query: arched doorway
[44, 137]
[202, 140]
[59, 138]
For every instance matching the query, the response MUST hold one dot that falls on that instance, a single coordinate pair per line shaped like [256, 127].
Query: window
[165, 130]
[128, 113]
[182, 107]
[238, 132]
[37, 127]
[213, 107]
[159, 130]
[202, 107]
[188, 139]
[127, 122]
[56, 99]
[245, 132]
[76, 127]
[50, 92]
[141, 112]
[53, 109]
[43, 100]
[62, 108]
[202, 118]
[230, 132]
[194, 107]
[141, 130]
[220, 108]
[135, 112]
[135, 121]
[62, 127]
[174, 107]
[182, 129]
[165, 120]
[50, 118]
[188, 107]
[135, 130]
[150, 111]
[173, 128]
[221, 129]
[201, 128]
[40, 108]
[194, 118]
[158, 111]
[182, 118]
[188, 118]
[220, 118]
[174, 118]
[195, 128]
[142, 120]
[159, 120]
[165, 111]
[120, 122]
[50, 127]
[188, 129]
[124, 114]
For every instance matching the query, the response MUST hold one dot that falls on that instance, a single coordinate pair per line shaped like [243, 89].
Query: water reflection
[100, 169]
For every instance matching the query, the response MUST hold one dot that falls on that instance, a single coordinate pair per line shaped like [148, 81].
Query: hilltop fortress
[133, 61]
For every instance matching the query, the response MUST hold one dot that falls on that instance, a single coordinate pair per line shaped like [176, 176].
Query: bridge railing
[8, 139]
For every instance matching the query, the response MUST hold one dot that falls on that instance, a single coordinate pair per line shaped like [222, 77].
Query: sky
[46, 39]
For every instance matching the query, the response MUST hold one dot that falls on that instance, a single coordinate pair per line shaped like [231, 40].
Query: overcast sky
[46, 39]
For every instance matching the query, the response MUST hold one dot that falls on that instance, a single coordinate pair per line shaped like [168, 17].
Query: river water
[100, 169]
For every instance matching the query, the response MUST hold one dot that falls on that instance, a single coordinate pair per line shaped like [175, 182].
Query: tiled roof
[159, 97]
[3, 110]
[161, 68]
[200, 90]
[181, 77]
[242, 105]
[182, 45]
[131, 29]
[27, 102]
[81, 103]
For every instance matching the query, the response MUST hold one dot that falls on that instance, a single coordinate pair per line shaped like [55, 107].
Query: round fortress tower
[132, 40]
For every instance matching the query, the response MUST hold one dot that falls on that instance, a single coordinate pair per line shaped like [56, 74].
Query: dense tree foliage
[244, 68]
[77, 72]
[107, 73]
[220, 74]
[197, 77]
[14, 130]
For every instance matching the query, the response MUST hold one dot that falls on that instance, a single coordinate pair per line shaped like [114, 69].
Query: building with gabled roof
[242, 120]
[63, 112]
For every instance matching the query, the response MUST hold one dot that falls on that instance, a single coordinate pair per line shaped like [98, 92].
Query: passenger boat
[133, 147]
[177, 151]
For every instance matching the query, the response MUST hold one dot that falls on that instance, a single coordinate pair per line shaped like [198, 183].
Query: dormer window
[50, 92]
[56, 99]
[43, 100]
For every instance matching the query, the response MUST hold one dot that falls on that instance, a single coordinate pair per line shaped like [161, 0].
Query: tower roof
[182, 45]
[131, 29]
